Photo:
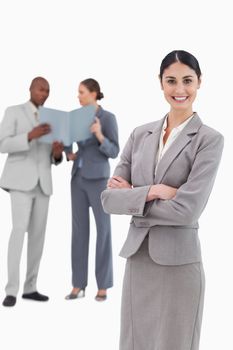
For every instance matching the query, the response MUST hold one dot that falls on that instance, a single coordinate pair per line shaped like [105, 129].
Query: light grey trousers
[29, 214]
[162, 305]
[85, 193]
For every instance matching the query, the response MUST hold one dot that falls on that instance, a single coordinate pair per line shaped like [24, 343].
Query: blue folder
[67, 127]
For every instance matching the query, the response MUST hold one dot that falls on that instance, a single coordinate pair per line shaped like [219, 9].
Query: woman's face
[85, 96]
[179, 84]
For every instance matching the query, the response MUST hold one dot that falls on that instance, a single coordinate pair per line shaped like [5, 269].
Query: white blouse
[171, 138]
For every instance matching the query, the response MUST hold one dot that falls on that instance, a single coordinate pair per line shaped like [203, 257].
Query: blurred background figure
[27, 177]
[90, 173]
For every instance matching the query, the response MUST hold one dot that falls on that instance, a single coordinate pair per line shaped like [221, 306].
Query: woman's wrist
[100, 137]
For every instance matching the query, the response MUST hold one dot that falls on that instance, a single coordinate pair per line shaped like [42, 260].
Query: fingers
[118, 178]
[44, 124]
[112, 183]
[71, 156]
[58, 148]
[95, 126]
[117, 182]
[58, 145]
[44, 129]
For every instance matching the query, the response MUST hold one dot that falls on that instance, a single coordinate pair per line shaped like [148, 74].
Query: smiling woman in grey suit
[164, 179]
[90, 173]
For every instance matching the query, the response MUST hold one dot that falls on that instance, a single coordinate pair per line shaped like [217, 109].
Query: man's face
[39, 92]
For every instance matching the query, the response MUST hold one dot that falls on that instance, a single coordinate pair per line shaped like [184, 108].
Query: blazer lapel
[149, 150]
[99, 113]
[29, 114]
[183, 139]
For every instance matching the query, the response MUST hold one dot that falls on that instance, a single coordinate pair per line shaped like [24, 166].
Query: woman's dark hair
[183, 57]
[93, 85]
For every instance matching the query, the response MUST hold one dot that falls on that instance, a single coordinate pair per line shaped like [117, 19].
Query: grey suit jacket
[190, 165]
[95, 155]
[27, 162]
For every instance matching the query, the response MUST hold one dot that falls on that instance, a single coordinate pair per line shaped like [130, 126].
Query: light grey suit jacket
[190, 165]
[27, 162]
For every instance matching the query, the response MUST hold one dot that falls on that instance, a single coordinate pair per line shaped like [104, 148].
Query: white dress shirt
[171, 138]
[34, 111]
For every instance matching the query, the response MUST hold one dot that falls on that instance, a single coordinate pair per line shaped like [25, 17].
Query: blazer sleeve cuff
[127, 201]
[105, 145]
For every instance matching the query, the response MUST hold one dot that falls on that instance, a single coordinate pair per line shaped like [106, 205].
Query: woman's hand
[72, 156]
[97, 130]
[161, 191]
[118, 182]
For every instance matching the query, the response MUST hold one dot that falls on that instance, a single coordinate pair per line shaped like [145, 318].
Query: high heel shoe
[80, 294]
[100, 297]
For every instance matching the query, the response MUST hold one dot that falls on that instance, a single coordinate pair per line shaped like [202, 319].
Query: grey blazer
[95, 155]
[190, 165]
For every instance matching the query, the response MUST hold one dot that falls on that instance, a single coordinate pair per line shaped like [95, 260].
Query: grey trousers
[162, 305]
[29, 214]
[85, 193]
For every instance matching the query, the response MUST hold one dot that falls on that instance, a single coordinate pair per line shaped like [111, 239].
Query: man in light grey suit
[27, 177]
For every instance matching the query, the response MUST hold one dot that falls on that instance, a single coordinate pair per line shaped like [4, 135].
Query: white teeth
[180, 98]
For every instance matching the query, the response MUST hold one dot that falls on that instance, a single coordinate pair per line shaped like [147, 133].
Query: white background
[121, 44]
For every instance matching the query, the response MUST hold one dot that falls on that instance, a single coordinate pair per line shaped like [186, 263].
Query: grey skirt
[162, 306]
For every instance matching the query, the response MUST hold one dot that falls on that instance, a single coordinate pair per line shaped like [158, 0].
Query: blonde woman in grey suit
[164, 179]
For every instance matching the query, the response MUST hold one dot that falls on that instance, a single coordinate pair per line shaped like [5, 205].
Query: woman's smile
[180, 99]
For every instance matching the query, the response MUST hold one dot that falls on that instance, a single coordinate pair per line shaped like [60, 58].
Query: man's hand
[97, 130]
[57, 149]
[161, 191]
[118, 182]
[39, 131]
[72, 156]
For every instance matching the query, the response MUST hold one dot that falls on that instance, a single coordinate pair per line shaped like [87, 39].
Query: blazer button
[133, 210]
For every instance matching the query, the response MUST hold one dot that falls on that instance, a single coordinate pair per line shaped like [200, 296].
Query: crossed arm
[160, 204]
